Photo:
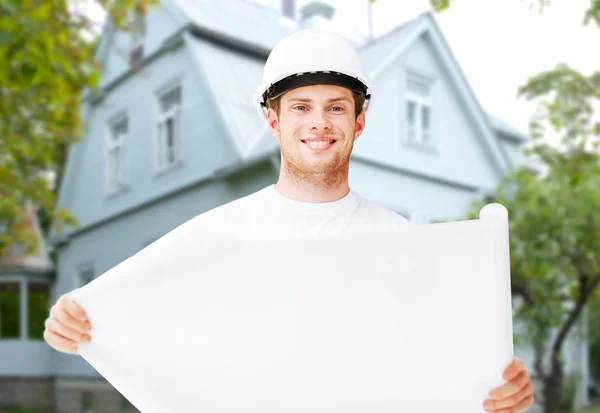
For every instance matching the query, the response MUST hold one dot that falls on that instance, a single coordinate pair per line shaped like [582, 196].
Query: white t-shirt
[267, 214]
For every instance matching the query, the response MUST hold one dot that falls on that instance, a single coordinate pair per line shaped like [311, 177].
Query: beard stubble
[320, 175]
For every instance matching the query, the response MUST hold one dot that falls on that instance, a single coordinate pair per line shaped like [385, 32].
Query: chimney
[288, 9]
[316, 14]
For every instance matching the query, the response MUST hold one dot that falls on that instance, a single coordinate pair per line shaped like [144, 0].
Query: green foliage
[439, 5]
[47, 64]
[566, 99]
[555, 217]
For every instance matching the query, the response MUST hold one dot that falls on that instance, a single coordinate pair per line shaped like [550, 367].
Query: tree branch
[520, 290]
[585, 287]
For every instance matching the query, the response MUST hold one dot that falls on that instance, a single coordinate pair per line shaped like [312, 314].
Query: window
[38, 296]
[88, 403]
[418, 111]
[411, 120]
[10, 310]
[37, 301]
[116, 139]
[169, 128]
[85, 274]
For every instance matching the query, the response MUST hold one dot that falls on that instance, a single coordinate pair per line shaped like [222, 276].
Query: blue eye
[338, 107]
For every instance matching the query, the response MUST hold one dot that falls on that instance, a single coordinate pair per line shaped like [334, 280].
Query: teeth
[318, 144]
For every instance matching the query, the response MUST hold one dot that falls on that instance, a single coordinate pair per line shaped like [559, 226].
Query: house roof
[19, 258]
[506, 129]
[245, 22]
[232, 77]
[374, 52]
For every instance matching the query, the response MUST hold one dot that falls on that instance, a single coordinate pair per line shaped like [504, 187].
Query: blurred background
[122, 119]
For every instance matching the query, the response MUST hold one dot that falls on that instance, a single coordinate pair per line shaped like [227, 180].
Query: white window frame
[161, 162]
[111, 145]
[420, 102]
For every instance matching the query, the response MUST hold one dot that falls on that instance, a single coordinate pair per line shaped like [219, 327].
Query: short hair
[359, 101]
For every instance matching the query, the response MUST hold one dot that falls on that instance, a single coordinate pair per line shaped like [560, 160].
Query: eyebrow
[310, 100]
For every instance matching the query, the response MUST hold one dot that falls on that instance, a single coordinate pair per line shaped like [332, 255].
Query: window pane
[410, 112]
[425, 118]
[119, 130]
[10, 310]
[417, 87]
[170, 99]
[170, 141]
[425, 122]
[39, 308]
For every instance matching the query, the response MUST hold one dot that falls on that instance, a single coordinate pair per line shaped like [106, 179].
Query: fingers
[64, 324]
[60, 343]
[523, 405]
[72, 307]
[515, 385]
[511, 394]
[60, 313]
[67, 326]
[515, 368]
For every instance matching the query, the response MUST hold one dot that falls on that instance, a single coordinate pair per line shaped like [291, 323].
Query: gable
[425, 27]
[115, 47]
[458, 153]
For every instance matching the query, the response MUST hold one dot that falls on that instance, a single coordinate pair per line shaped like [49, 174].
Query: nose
[320, 121]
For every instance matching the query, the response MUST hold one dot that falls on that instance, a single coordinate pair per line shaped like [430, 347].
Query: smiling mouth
[321, 144]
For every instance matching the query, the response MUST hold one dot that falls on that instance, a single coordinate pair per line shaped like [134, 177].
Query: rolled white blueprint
[418, 320]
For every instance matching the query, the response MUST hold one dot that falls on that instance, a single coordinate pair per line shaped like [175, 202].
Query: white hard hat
[310, 57]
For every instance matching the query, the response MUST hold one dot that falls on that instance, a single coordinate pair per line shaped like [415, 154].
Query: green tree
[555, 218]
[47, 60]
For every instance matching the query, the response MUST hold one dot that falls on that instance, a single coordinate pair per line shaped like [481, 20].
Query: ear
[359, 126]
[273, 123]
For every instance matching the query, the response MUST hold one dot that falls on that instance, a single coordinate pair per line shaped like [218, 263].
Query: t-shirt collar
[346, 204]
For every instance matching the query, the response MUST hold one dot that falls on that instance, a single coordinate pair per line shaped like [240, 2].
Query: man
[314, 97]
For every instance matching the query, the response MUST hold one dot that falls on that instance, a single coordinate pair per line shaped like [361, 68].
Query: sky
[498, 44]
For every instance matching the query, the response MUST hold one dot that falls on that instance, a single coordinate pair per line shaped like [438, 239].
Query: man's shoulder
[384, 215]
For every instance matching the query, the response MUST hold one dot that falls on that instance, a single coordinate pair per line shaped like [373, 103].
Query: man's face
[316, 130]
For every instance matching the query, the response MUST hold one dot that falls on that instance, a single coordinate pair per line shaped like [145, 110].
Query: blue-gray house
[174, 134]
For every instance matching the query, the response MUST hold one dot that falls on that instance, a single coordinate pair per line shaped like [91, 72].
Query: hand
[514, 396]
[67, 326]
